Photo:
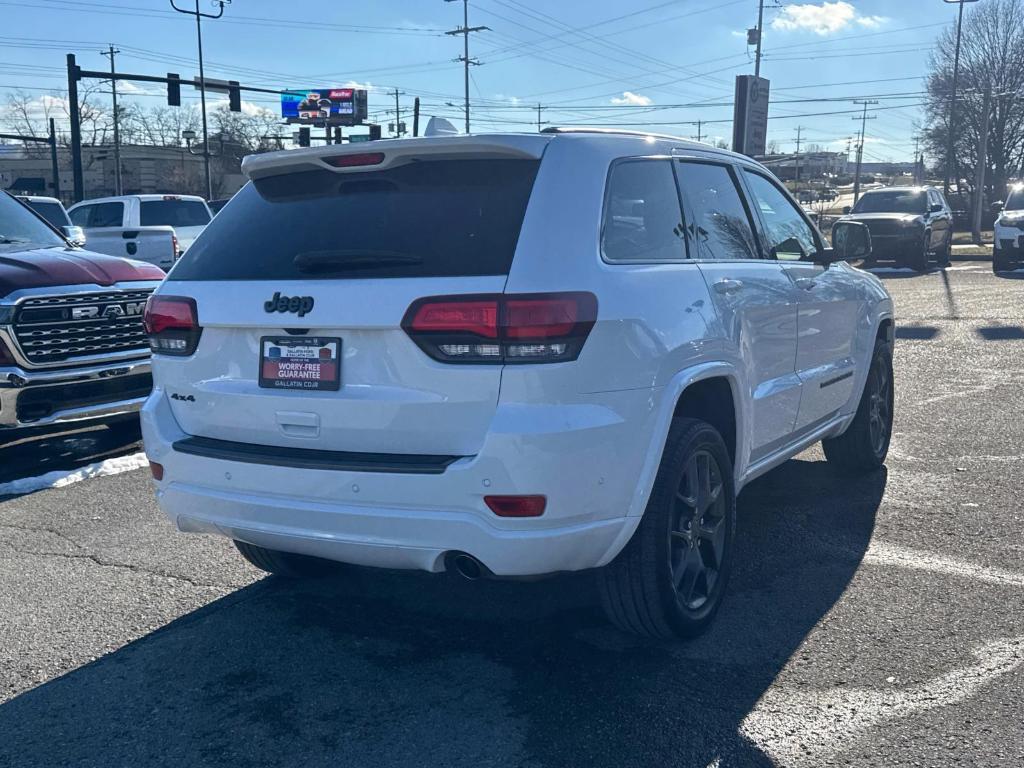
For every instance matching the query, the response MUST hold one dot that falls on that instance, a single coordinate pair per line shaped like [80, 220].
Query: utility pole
[860, 146]
[700, 124]
[398, 116]
[202, 81]
[979, 177]
[950, 146]
[796, 179]
[760, 33]
[464, 30]
[118, 189]
[538, 117]
[74, 73]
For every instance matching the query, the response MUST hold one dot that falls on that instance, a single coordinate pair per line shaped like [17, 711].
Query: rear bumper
[586, 459]
[40, 398]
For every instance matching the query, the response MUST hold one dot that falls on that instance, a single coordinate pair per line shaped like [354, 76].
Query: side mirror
[75, 234]
[935, 208]
[846, 210]
[997, 207]
[850, 240]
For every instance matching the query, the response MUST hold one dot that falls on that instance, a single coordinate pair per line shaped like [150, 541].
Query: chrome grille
[55, 329]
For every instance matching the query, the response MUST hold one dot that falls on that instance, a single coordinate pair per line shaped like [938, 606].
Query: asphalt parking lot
[875, 622]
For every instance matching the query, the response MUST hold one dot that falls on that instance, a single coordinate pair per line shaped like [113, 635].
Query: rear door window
[642, 218]
[719, 224]
[98, 215]
[437, 218]
[173, 213]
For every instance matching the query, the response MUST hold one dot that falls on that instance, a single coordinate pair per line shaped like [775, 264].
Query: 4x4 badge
[279, 303]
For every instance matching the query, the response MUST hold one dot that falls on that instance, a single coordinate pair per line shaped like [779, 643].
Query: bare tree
[30, 115]
[992, 61]
[157, 126]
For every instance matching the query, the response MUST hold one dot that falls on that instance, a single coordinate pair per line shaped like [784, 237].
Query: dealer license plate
[300, 362]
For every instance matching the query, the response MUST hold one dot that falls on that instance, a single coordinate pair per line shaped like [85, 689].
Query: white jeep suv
[510, 355]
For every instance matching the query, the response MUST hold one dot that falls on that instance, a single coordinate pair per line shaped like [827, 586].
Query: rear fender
[669, 399]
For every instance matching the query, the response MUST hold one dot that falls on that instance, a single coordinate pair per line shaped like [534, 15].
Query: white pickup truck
[187, 214]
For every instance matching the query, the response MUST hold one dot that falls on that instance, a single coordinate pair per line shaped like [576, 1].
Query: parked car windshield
[173, 213]
[425, 219]
[52, 212]
[892, 201]
[1015, 201]
[19, 227]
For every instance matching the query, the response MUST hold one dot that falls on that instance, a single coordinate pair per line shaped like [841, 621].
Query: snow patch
[60, 478]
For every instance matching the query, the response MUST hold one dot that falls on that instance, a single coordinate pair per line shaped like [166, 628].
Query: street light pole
[202, 81]
[950, 146]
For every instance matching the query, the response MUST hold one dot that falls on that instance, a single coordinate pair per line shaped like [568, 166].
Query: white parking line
[60, 478]
[903, 557]
[808, 728]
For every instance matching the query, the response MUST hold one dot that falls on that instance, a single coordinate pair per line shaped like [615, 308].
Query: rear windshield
[174, 213]
[52, 212]
[892, 202]
[423, 219]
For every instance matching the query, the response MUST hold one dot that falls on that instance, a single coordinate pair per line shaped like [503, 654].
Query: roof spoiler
[388, 153]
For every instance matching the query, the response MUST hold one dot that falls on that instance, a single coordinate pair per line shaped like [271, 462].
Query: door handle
[728, 286]
[807, 283]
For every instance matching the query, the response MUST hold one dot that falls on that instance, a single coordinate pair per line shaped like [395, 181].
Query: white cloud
[633, 99]
[823, 18]
[513, 100]
[738, 33]
[871, 22]
[360, 86]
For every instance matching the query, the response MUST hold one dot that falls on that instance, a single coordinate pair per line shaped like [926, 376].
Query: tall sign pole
[860, 147]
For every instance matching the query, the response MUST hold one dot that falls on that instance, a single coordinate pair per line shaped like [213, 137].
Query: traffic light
[374, 131]
[234, 96]
[304, 137]
[173, 89]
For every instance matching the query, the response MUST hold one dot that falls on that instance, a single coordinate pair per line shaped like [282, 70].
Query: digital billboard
[324, 106]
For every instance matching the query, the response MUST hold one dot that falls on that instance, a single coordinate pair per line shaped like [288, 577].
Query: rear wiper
[340, 260]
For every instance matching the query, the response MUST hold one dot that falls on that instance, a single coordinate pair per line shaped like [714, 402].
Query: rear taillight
[172, 323]
[502, 328]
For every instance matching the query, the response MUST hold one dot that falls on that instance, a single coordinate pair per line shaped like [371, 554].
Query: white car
[1008, 234]
[510, 355]
[187, 214]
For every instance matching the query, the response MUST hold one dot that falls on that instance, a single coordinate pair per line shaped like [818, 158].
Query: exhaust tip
[467, 566]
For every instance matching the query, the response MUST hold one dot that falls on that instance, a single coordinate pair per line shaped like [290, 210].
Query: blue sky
[653, 64]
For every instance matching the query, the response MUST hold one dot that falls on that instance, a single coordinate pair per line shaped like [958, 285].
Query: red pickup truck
[72, 347]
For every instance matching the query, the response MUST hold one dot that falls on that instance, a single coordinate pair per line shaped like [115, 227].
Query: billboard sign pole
[750, 115]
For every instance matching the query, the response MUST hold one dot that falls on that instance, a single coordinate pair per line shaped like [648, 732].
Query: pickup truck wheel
[865, 444]
[669, 579]
[286, 564]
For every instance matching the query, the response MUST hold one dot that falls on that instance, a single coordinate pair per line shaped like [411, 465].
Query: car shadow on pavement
[383, 668]
[36, 454]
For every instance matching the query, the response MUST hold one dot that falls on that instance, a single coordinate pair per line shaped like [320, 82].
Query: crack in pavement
[82, 555]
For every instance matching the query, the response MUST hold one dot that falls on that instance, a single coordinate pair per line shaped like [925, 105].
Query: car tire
[669, 579]
[864, 445]
[1001, 263]
[286, 564]
[918, 260]
[944, 255]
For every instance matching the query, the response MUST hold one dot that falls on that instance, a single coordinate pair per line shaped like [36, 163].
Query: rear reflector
[157, 470]
[516, 506]
[354, 161]
[500, 328]
[172, 323]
